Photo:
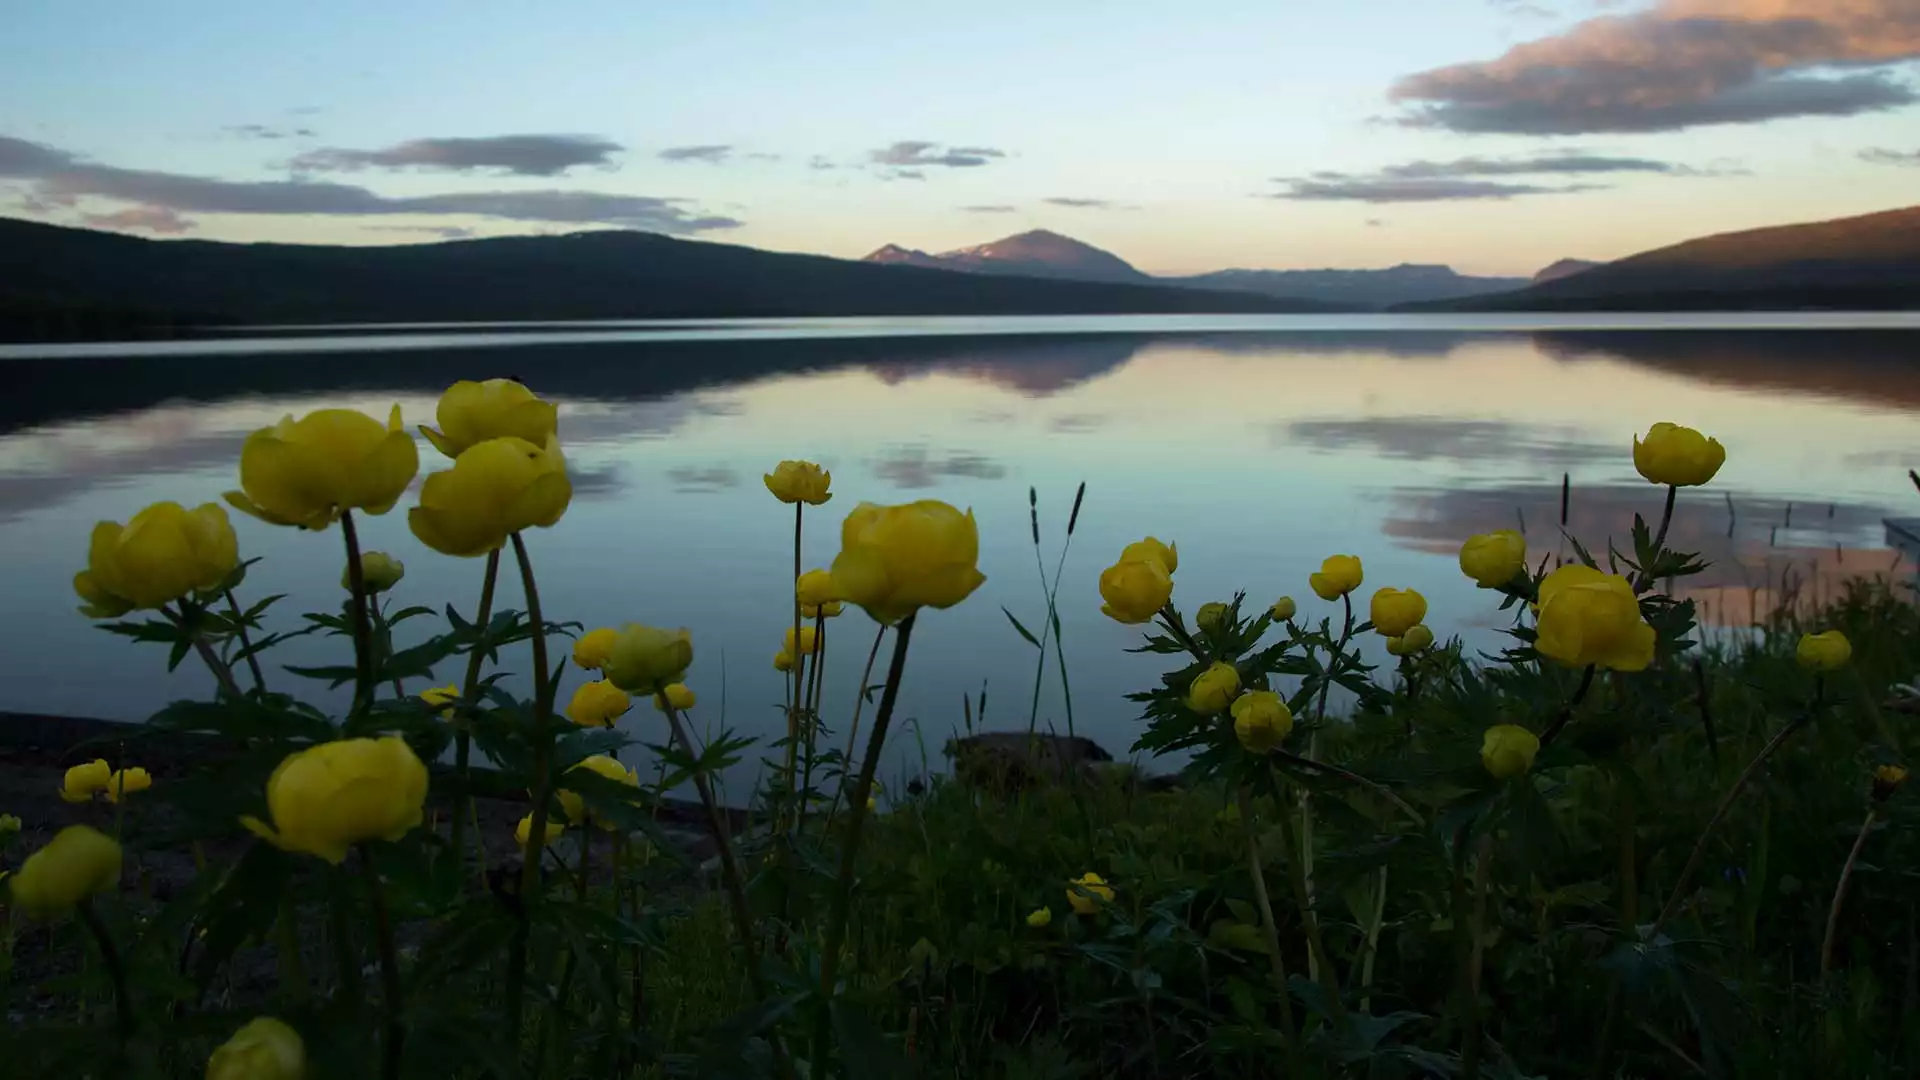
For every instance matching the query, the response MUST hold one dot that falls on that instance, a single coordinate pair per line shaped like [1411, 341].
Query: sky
[1496, 136]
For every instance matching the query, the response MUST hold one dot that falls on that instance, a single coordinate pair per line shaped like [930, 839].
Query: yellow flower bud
[644, 658]
[83, 782]
[127, 781]
[818, 596]
[163, 553]
[1507, 750]
[1826, 651]
[783, 661]
[1677, 455]
[473, 412]
[1495, 558]
[331, 796]
[1211, 616]
[305, 472]
[594, 646]
[1394, 611]
[800, 482]
[1887, 779]
[1261, 721]
[895, 560]
[1284, 609]
[265, 1049]
[495, 488]
[1135, 590]
[1152, 550]
[1213, 689]
[1590, 617]
[1338, 575]
[598, 704]
[1087, 892]
[873, 804]
[575, 806]
[77, 863]
[809, 642]
[1416, 638]
[678, 696]
[524, 829]
[379, 572]
[442, 695]
[1040, 918]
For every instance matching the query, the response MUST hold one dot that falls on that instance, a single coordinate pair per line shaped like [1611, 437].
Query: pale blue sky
[1178, 122]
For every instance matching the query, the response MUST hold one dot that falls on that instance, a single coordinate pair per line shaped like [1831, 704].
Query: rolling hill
[1037, 253]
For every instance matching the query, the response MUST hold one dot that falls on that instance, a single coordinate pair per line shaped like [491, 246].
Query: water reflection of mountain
[1872, 366]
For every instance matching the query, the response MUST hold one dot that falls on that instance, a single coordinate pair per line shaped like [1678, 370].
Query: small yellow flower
[1040, 918]
[473, 412]
[1211, 616]
[160, 555]
[1416, 638]
[598, 704]
[83, 782]
[1152, 550]
[783, 661]
[818, 596]
[1677, 455]
[524, 829]
[678, 695]
[1887, 779]
[1826, 651]
[645, 658]
[593, 648]
[1495, 558]
[494, 489]
[1507, 750]
[442, 695]
[895, 560]
[1393, 611]
[575, 806]
[800, 482]
[1135, 590]
[809, 642]
[1087, 892]
[1213, 689]
[305, 472]
[127, 781]
[1284, 609]
[333, 795]
[1338, 575]
[1590, 617]
[77, 863]
[265, 1049]
[379, 572]
[873, 803]
[1261, 721]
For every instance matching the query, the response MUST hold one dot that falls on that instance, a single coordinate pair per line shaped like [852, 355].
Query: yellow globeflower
[678, 696]
[783, 661]
[1040, 918]
[126, 782]
[594, 646]
[1828, 650]
[165, 552]
[1393, 611]
[809, 642]
[1416, 638]
[1261, 721]
[1284, 609]
[895, 560]
[442, 695]
[1151, 549]
[331, 796]
[524, 829]
[1495, 558]
[1887, 779]
[575, 806]
[1508, 749]
[1677, 455]
[644, 658]
[473, 412]
[495, 488]
[379, 572]
[800, 482]
[1338, 575]
[265, 1049]
[1211, 616]
[598, 704]
[1213, 689]
[82, 782]
[1135, 590]
[817, 594]
[305, 472]
[1589, 617]
[77, 863]
[1087, 892]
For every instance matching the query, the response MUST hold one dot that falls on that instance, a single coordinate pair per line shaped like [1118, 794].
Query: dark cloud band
[517, 155]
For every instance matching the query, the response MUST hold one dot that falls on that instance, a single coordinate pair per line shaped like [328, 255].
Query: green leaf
[1024, 632]
[1232, 934]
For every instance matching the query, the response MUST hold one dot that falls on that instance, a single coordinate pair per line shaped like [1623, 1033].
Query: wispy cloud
[990, 208]
[915, 153]
[444, 232]
[517, 155]
[1081, 203]
[1881, 156]
[1384, 190]
[262, 131]
[710, 153]
[153, 219]
[1473, 178]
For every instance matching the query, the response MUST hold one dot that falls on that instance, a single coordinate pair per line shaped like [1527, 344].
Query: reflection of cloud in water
[1077, 423]
[595, 482]
[915, 467]
[1758, 556]
[697, 479]
[1429, 438]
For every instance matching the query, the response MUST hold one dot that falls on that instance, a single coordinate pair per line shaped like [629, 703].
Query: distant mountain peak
[1564, 268]
[1034, 253]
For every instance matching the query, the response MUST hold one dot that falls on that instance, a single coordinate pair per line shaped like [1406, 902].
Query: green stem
[346, 961]
[810, 716]
[222, 673]
[116, 970]
[1464, 933]
[799, 662]
[393, 1040]
[463, 723]
[1256, 872]
[1040, 667]
[246, 644]
[1297, 871]
[1315, 960]
[542, 792]
[362, 627]
[1374, 922]
[1840, 893]
[853, 729]
[293, 975]
[1644, 578]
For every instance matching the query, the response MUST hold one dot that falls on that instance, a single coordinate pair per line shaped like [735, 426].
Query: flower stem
[1840, 893]
[246, 643]
[1644, 578]
[1298, 868]
[362, 628]
[1256, 872]
[836, 932]
[463, 723]
[853, 730]
[1560, 720]
[293, 975]
[393, 1040]
[1464, 934]
[810, 716]
[222, 674]
[542, 790]
[794, 719]
[116, 970]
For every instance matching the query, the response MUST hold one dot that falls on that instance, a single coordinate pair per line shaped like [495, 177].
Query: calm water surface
[1261, 445]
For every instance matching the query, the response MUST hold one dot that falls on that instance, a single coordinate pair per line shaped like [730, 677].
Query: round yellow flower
[165, 552]
[783, 661]
[800, 482]
[678, 696]
[1211, 616]
[1416, 638]
[1284, 609]
[1826, 651]
[1887, 779]
[644, 658]
[1213, 689]
[1493, 559]
[1590, 617]
[524, 829]
[895, 560]
[305, 472]
[265, 1049]
[593, 648]
[1135, 590]
[82, 782]
[77, 863]
[817, 594]
[1677, 455]
[1261, 721]
[473, 412]
[495, 488]
[442, 695]
[1087, 892]
[127, 781]
[1040, 918]
[575, 806]
[1338, 575]
[1394, 611]
[331, 796]
[809, 642]
[1507, 750]
[598, 704]
[1152, 550]
[379, 572]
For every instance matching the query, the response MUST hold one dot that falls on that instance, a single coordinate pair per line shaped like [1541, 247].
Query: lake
[1259, 444]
